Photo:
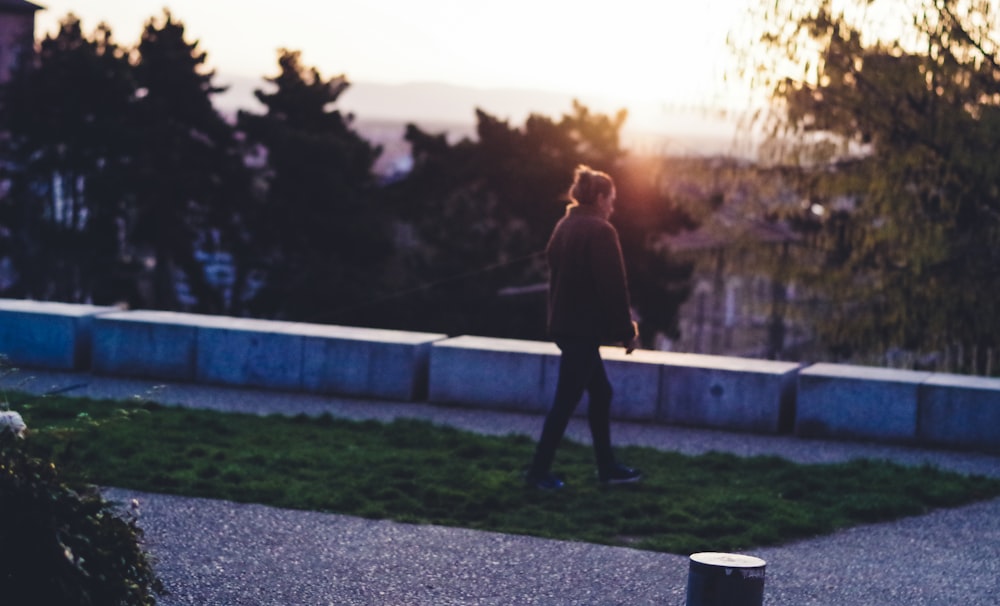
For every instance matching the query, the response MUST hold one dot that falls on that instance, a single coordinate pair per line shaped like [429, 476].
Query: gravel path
[219, 553]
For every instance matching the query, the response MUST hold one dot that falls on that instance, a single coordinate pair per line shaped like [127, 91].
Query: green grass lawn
[412, 471]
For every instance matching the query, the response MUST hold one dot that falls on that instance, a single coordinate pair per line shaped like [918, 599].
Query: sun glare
[637, 52]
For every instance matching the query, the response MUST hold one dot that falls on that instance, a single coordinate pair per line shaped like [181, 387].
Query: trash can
[725, 579]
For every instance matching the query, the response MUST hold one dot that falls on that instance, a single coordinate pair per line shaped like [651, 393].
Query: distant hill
[422, 102]
[437, 107]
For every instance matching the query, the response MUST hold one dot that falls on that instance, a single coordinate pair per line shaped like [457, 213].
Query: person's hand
[633, 343]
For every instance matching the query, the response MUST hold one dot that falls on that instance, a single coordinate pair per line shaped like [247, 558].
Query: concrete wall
[261, 353]
[148, 344]
[858, 402]
[367, 362]
[684, 389]
[493, 373]
[47, 335]
[740, 394]
[821, 400]
[959, 411]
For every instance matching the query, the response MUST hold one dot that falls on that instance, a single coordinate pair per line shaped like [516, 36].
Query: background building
[17, 35]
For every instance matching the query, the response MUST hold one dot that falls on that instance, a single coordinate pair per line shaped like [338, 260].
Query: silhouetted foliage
[319, 231]
[70, 140]
[191, 182]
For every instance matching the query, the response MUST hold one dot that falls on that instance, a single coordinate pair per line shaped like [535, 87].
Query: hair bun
[588, 184]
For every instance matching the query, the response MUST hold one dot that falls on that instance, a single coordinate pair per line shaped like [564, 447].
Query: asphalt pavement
[220, 553]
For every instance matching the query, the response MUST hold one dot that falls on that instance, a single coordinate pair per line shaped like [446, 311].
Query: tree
[906, 122]
[190, 180]
[659, 282]
[320, 229]
[70, 141]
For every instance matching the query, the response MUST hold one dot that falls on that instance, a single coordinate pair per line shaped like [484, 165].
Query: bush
[63, 545]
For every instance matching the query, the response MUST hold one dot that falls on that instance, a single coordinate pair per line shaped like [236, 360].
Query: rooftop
[19, 6]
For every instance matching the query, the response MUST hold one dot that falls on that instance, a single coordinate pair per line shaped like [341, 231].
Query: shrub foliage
[65, 545]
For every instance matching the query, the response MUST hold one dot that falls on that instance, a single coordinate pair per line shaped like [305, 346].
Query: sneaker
[619, 474]
[544, 482]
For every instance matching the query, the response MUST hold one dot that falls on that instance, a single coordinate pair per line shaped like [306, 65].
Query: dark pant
[580, 369]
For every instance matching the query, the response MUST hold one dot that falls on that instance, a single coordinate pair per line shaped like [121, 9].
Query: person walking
[588, 304]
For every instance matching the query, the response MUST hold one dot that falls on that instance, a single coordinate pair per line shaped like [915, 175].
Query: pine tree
[320, 231]
[192, 184]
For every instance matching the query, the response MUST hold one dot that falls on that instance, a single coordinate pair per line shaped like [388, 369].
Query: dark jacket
[588, 291]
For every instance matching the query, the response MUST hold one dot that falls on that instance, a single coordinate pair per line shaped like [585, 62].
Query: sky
[640, 53]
